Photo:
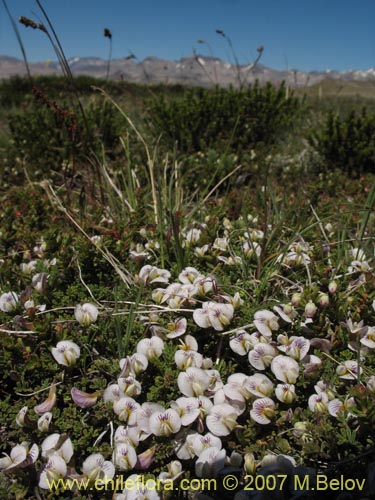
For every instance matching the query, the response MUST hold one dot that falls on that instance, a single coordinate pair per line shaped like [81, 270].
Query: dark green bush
[346, 143]
[224, 119]
[48, 135]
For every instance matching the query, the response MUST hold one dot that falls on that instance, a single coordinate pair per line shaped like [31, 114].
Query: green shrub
[346, 143]
[48, 136]
[224, 119]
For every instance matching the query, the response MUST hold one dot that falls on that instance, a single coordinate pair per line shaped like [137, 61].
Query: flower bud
[323, 299]
[310, 309]
[296, 299]
[250, 465]
[332, 287]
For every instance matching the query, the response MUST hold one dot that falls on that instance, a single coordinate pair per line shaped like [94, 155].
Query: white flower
[129, 386]
[285, 369]
[151, 274]
[124, 456]
[185, 359]
[189, 275]
[237, 388]
[174, 471]
[210, 462]
[144, 413]
[261, 356]
[20, 455]
[298, 348]
[184, 445]
[238, 405]
[266, 322]
[66, 352]
[241, 343]
[44, 421]
[335, 407]
[259, 385]
[20, 418]
[369, 339]
[348, 370]
[86, 314]
[194, 382]
[126, 409]
[214, 315]
[138, 488]
[54, 470]
[192, 236]
[318, 403]
[251, 248]
[95, 468]
[28, 267]
[201, 443]
[133, 365]
[232, 260]
[189, 343]
[263, 410]
[151, 348]
[8, 301]
[221, 420]
[39, 282]
[187, 409]
[177, 328]
[165, 423]
[56, 444]
[221, 244]
[127, 435]
[286, 393]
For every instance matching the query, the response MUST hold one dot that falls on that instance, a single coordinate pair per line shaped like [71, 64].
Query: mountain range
[195, 70]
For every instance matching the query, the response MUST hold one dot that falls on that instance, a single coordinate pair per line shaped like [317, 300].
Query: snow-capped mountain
[193, 70]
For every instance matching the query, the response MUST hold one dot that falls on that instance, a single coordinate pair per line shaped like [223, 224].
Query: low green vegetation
[186, 292]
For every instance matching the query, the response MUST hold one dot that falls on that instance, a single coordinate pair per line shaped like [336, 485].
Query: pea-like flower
[259, 385]
[210, 462]
[318, 403]
[54, 470]
[66, 353]
[222, 419]
[151, 274]
[151, 348]
[266, 322]
[165, 423]
[20, 456]
[241, 343]
[263, 410]
[95, 468]
[44, 421]
[285, 369]
[58, 444]
[348, 370]
[8, 301]
[86, 314]
[126, 409]
[262, 355]
[202, 442]
[194, 382]
[177, 328]
[214, 315]
[185, 359]
[124, 457]
[286, 393]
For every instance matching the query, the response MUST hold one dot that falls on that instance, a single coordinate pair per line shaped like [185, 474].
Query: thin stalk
[19, 40]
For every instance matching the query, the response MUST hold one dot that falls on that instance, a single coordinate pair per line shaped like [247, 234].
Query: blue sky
[303, 34]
